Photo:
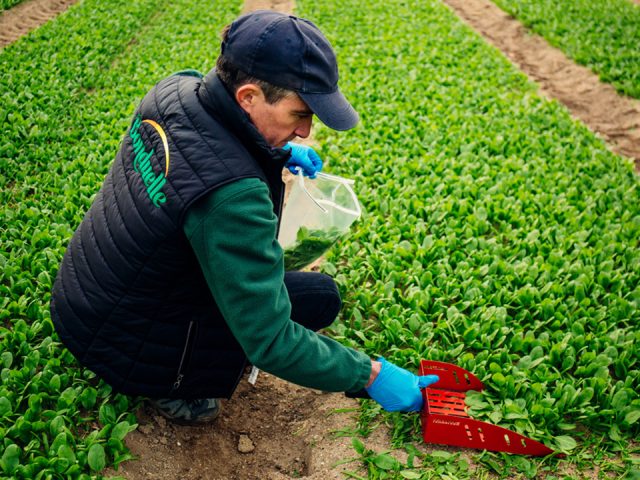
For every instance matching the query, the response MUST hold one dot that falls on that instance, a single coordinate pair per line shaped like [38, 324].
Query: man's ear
[248, 96]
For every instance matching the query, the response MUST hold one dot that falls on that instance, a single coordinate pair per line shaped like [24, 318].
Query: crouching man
[175, 281]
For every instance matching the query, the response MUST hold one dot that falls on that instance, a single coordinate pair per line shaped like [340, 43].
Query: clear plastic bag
[317, 214]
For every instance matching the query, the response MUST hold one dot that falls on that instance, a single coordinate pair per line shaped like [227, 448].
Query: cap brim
[333, 109]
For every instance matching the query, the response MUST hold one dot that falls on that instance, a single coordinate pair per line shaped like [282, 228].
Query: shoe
[188, 412]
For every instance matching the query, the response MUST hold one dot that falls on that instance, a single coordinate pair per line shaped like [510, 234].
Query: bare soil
[24, 17]
[616, 118]
[283, 6]
[271, 431]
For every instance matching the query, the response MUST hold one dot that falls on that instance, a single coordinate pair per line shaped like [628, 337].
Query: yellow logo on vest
[142, 160]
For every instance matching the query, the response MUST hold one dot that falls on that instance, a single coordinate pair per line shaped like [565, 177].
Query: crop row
[63, 123]
[499, 234]
[603, 36]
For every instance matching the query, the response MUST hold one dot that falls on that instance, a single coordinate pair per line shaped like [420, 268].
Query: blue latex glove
[304, 157]
[397, 389]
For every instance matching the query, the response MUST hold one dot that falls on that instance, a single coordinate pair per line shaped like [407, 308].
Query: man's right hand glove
[304, 157]
[397, 389]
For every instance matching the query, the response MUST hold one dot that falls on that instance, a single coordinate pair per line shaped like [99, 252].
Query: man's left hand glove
[397, 389]
[304, 157]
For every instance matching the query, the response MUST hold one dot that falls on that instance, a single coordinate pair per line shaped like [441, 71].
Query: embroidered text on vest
[142, 162]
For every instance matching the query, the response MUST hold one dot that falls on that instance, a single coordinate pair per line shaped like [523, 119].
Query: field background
[500, 234]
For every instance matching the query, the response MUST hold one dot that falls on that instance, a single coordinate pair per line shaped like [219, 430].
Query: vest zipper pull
[176, 384]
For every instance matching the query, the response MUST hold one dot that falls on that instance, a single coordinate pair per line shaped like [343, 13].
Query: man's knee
[333, 301]
[315, 298]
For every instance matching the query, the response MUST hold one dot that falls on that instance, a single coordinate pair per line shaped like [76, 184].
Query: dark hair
[234, 78]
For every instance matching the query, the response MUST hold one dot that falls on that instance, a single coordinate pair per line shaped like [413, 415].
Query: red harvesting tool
[445, 420]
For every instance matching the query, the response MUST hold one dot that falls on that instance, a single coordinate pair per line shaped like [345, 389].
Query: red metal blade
[451, 376]
[470, 433]
[445, 420]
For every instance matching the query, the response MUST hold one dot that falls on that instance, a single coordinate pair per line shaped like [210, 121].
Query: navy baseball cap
[292, 53]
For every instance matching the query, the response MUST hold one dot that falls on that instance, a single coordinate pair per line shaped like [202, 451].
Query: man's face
[278, 122]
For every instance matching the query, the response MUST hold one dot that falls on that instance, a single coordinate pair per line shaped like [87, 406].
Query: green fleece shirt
[233, 234]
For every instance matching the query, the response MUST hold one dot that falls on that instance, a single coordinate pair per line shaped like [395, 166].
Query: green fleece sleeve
[233, 234]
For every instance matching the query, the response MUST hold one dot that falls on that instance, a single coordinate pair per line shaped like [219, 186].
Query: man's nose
[304, 128]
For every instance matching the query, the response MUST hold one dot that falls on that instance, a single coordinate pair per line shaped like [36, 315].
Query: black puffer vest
[130, 300]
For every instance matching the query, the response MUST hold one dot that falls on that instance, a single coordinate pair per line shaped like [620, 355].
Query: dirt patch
[273, 431]
[283, 6]
[614, 117]
[24, 17]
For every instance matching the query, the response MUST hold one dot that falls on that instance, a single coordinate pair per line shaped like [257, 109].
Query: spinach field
[498, 234]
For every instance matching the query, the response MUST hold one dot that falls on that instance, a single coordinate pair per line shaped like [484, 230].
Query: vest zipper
[176, 384]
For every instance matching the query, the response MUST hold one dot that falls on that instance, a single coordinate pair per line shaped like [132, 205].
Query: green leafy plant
[6, 4]
[422, 465]
[310, 244]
